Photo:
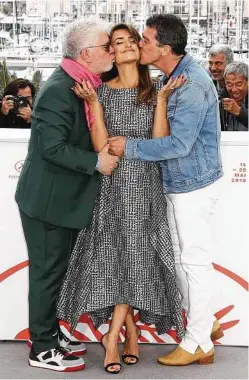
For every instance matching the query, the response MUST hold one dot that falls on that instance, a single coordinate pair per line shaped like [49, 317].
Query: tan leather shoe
[180, 357]
[217, 331]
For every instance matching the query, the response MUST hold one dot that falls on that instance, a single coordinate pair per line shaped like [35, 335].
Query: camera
[19, 102]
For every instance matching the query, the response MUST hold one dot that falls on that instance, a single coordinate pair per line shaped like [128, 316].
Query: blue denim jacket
[191, 154]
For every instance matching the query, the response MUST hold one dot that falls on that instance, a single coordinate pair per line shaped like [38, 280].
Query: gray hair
[237, 67]
[222, 49]
[80, 34]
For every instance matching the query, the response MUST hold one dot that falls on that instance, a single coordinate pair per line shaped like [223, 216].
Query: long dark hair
[146, 91]
[19, 83]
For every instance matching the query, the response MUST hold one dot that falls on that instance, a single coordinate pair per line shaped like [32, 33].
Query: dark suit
[55, 194]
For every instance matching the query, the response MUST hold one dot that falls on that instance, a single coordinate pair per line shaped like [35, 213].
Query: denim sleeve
[185, 123]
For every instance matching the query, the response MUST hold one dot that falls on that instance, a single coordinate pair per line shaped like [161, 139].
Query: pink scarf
[78, 72]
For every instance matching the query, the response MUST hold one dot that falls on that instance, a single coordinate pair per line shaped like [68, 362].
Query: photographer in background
[234, 98]
[16, 105]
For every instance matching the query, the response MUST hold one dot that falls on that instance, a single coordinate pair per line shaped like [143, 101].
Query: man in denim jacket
[191, 166]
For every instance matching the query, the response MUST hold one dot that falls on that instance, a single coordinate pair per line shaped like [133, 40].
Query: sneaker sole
[36, 364]
[77, 353]
[73, 353]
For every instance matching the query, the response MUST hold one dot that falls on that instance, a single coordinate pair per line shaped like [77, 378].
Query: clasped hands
[117, 145]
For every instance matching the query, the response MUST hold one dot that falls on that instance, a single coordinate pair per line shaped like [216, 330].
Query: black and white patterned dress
[125, 255]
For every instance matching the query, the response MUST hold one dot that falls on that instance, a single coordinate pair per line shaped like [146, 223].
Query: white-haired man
[234, 98]
[58, 185]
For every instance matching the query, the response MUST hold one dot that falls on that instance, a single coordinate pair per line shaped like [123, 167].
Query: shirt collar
[179, 67]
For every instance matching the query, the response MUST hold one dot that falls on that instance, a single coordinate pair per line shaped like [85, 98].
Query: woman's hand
[169, 88]
[85, 91]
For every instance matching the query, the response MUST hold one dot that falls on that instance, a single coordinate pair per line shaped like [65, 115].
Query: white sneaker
[75, 348]
[56, 359]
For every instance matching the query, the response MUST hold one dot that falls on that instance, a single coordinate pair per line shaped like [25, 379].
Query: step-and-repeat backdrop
[230, 248]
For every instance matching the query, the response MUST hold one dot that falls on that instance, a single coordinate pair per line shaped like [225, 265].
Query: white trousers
[190, 217]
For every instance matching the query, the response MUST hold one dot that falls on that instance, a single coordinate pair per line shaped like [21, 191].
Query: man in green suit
[57, 189]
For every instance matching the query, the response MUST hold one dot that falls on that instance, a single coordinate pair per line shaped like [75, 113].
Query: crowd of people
[118, 190]
[231, 81]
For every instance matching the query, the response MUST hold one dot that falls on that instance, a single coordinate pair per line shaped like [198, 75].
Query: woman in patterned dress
[124, 258]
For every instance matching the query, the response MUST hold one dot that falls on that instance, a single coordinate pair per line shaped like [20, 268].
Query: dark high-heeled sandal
[110, 364]
[130, 356]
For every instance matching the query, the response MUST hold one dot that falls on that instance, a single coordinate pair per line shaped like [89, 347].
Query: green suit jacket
[58, 183]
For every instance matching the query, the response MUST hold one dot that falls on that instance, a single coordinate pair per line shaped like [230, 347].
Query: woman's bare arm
[98, 130]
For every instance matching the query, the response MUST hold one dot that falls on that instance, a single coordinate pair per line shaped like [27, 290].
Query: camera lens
[22, 101]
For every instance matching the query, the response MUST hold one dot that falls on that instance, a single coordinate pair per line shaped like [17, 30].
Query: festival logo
[85, 330]
[19, 166]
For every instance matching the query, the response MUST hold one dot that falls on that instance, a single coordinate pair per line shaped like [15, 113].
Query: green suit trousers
[49, 249]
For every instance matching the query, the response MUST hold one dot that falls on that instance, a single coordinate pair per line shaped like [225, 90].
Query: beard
[107, 67]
